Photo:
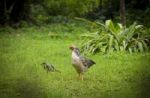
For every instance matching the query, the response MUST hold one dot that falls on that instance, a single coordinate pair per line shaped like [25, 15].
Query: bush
[111, 37]
[39, 14]
[70, 7]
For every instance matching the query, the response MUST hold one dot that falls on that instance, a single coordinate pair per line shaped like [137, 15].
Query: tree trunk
[122, 12]
[7, 11]
[110, 10]
[100, 4]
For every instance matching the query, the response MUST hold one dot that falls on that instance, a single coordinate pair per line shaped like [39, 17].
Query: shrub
[70, 7]
[111, 37]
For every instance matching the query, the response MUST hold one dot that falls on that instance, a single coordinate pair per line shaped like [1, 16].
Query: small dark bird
[49, 67]
[81, 64]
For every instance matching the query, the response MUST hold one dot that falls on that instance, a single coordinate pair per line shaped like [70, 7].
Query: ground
[116, 75]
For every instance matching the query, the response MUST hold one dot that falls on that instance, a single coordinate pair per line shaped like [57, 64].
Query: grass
[116, 75]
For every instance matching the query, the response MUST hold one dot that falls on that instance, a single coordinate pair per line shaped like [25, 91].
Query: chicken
[49, 67]
[81, 64]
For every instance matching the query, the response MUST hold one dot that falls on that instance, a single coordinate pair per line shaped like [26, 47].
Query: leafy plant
[114, 37]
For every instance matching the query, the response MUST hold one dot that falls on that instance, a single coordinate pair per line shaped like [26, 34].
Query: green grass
[116, 75]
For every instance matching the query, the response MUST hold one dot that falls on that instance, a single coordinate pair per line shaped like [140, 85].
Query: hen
[81, 64]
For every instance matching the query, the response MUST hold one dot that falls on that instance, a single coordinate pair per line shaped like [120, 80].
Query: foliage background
[40, 11]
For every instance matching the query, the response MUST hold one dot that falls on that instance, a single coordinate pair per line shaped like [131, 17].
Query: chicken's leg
[81, 76]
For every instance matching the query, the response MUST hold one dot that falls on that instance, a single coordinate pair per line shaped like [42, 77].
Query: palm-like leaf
[110, 37]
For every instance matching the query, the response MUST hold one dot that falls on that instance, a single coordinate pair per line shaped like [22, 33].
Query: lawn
[116, 75]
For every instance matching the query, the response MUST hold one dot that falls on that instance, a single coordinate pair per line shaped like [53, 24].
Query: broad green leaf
[130, 31]
[138, 26]
[98, 23]
[140, 47]
[110, 26]
[121, 48]
[116, 45]
[103, 49]
[144, 45]
[110, 42]
[124, 45]
[130, 50]
[120, 26]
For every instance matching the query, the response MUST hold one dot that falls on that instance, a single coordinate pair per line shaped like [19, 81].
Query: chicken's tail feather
[90, 63]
